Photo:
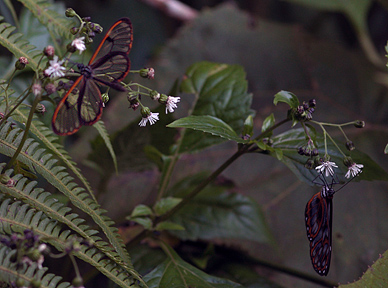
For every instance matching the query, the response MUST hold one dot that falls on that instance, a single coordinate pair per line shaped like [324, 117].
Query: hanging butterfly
[108, 66]
[319, 218]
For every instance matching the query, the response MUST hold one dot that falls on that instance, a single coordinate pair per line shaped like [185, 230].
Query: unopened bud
[105, 98]
[36, 88]
[145, 73]
[50, 88]
[154, 95]
[348, 161]
[359, 124]
[49, 51]
[97, 28]
[74, 30]
[21, 63]
[309, 164]
[70, 12]
[70, 48]
[40, 108]
[350, 145]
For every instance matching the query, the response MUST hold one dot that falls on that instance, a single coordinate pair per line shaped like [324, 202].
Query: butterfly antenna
[348, 181]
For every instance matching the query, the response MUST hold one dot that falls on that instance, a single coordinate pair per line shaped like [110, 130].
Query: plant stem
[28, 125]
[242, 150]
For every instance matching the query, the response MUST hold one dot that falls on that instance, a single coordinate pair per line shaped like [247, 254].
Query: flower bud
[97, 28]
[350, 145]
[70, 48]
[348, 161]
[70, 12]
[34, 255]
[74, 30]
[50, 88]
[309, 164]
[312, 103]
[154, 95]
[77, 282]
[21, 63]
[359, 124]
[105, 98]
[87, 19]
[36, 88]
[49, 51]
[147, 73]
[40, 108]
[145, 112]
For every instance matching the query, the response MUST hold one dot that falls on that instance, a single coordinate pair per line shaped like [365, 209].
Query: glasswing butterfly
[108, 66]
[319, 218]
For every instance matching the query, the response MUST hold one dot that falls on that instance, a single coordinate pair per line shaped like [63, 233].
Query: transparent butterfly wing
[318, 216]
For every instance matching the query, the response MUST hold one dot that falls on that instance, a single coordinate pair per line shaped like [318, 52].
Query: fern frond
[9, 273]
[55, 23]
[50, 140]
[18, 45]
[15, 217]
[46, 166]
[100, 126]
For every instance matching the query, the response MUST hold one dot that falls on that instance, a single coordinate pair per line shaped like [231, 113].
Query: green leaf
[105, 137]
[141, 210]
[174, 273]
[286, 97]
[248, 126]
[143, 221]
[165, 204]
[386, 149]
[208, 124]
[221, 92]
[268, 123]
[375, 276]
[204, 216]
[289, 142]
[17, 44]
[167, 225]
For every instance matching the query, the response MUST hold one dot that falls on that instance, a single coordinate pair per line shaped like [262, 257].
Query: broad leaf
[375, 276]
[221, 91]
[286, 97]
[216, 213]
[208, 124]
[174, 273]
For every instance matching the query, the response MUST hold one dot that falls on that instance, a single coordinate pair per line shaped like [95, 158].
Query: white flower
[171, 103]
[354, 170]
[79, 44]
[55, 69]
[327, 168]
[152, 118]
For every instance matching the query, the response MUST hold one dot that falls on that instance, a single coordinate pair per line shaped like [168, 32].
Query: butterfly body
[108, 66]
[319, 217]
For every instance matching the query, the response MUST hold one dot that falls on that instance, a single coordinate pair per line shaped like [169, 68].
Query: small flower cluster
[305, 111]
[327, 168]
[324, 165]
[27, 246]
[308, 150]
[88, 28]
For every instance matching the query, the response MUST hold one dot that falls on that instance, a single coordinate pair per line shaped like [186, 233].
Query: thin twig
[174, 9]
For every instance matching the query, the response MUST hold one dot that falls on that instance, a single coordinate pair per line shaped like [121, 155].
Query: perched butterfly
[319, 217]
[108, 66]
